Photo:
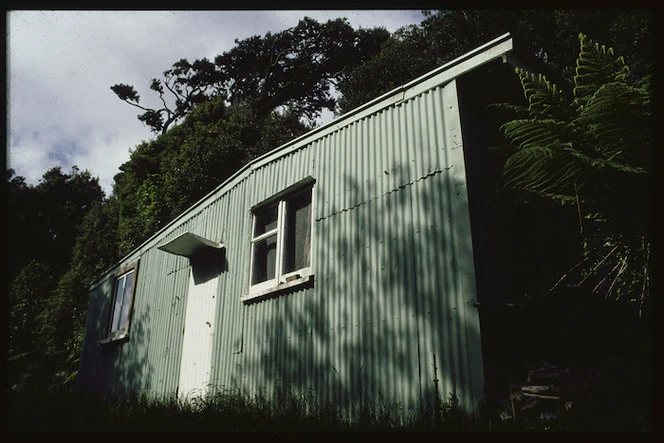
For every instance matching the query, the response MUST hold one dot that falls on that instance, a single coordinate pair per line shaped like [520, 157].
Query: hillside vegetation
[586, 142]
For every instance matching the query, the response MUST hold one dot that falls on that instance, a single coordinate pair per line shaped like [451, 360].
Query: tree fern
[544, 98]
[534, 133]
[544, 170]
[617, 115]
[595, 66]
[591, 148]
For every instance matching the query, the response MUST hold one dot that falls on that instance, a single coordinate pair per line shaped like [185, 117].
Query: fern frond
[617, 115]
[601, 163]
[564, 199]
[646, 82]
[530, 133]
[516, 111]
[595, 66]
[543, 170]
[544, 98]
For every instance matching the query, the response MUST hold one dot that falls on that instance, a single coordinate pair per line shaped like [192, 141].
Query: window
[123, 297]
[281, 243]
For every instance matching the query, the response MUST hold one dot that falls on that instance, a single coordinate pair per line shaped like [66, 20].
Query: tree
[53, 210]
[167, 175]
[188, 85]
[24, 232]
[43, 219]
[592, 147]
[61, 326]
[26, 293]
[543, 35]
[44, 222]
[403, 57]
[289, 71]
[212, 152]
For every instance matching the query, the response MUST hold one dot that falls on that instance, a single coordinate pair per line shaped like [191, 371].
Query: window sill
[304, 281]
[116, 339]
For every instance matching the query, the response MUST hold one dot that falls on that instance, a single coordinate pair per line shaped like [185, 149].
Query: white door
[196, 363]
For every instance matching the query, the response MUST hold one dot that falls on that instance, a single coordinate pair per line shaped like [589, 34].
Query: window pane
[119, 289]
[297, 247]
[264, 260]
[266, 220]
[129, 283]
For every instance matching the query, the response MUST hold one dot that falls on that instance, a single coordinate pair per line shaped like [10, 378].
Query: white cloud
[61, 65]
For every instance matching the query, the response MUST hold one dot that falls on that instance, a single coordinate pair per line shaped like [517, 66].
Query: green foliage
[45, 305]
[592, 148]
[545, 35]
[126, 92]
[212, 152]
[167, 175]
[26, 293]
[62, 319]
[43, 219]
[596, 66]
[290, 71]
[403, 57]
[60, 327]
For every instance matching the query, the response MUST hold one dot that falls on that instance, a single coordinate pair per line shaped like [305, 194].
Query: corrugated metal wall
[393, 275]
[393, 266]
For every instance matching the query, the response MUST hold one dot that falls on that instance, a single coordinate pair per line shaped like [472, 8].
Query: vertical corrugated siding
[392, 263]
[389, 266]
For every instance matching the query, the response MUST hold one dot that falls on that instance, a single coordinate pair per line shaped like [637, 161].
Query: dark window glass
[117, 308]
[126, 300]
[266, 219]
[123, 289]
[265, 256]
[297, 246]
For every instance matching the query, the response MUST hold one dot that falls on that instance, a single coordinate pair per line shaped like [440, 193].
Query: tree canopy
[547, 36]
[290, 71]
[167, 175]
[44, 223]
[44, 218]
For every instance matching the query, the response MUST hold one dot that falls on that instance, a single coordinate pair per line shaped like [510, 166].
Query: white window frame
[281, 281]
[122, 331]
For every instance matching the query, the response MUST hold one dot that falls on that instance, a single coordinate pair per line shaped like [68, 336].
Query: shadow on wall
[208, 265]
[148, 362]
[394, 292]
[132, 368]
[115, 369]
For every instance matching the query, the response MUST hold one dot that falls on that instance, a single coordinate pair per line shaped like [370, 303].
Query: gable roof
[497, 48]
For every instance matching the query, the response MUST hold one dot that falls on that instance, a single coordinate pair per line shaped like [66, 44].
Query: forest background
[219, 114]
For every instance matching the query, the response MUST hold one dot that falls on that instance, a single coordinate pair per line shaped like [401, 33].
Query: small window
[281, 242]
[123, 297]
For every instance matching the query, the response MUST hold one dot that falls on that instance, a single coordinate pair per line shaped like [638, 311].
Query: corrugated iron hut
[341, 263]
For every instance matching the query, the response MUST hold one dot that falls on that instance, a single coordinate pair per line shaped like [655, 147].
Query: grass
[65, 410]
[68, 410]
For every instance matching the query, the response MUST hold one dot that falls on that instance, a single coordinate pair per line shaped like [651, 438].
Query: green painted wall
[394, 282]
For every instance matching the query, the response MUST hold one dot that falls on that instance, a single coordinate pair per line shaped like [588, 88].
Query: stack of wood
[544, 382]
[542, 397]
[548, 392]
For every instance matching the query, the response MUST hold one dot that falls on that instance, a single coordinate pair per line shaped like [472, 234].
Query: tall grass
[68, 410]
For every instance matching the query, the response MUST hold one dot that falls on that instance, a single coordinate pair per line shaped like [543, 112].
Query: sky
[61, 65]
